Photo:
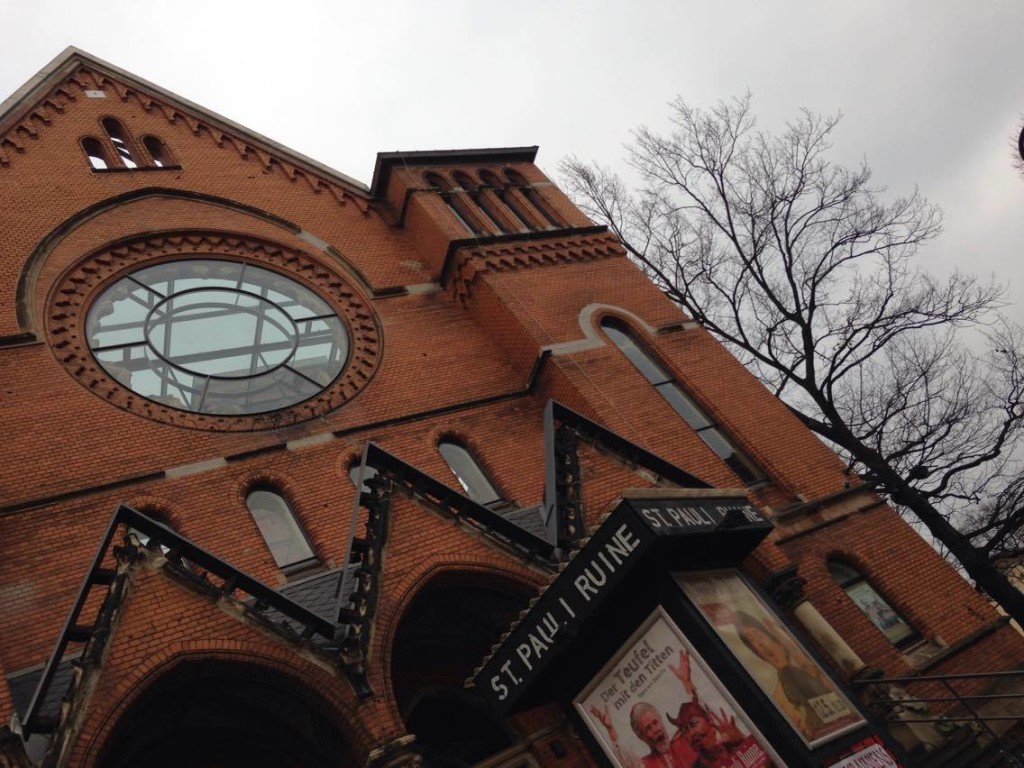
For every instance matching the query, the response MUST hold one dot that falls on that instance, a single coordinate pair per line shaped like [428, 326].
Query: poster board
[656, 704]
[796, 684]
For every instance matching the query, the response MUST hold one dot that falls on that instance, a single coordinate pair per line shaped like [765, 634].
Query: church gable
[75, 78]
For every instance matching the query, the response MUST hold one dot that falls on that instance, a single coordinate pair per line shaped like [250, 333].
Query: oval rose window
[217, 337]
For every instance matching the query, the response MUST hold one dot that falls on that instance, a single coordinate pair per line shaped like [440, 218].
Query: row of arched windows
[150, 152]
[288, 542]
[292, 552]
[490, 204]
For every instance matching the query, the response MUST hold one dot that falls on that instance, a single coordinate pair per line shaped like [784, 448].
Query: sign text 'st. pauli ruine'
[614, 549]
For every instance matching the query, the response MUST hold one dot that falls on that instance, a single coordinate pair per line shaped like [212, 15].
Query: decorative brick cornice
[15, 140]
[81, 283]
[473, 260]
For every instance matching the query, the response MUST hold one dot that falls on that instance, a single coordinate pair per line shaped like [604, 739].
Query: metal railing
[948, 706]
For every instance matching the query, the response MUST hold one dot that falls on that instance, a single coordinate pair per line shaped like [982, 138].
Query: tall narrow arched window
[473, 191]
[682, 403]
[280, 530]
[872, 604]
[158, 151]
[454, 202]
[534, 198]
[504, 193]
[119, 138]
[96, 153]
[469, 473]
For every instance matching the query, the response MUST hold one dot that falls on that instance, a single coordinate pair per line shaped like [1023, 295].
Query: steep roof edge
[67, 60]
[388, 160]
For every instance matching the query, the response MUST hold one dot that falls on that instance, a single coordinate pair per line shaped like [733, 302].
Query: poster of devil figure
[797, 685]
[656, 704]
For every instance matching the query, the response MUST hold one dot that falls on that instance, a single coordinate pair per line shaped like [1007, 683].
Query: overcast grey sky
[931, 91]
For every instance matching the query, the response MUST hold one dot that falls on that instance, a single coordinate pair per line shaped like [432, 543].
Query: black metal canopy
[651, 531]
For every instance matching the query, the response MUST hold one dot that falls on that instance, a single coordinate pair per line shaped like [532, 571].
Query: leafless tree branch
[809, 274]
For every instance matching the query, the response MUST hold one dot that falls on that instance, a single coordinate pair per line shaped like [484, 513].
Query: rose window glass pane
[214, 336]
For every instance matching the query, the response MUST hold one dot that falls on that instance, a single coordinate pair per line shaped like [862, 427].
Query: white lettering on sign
[875, 756]
[605, 562]
[677, 517]
[544, 628]
[686, 516]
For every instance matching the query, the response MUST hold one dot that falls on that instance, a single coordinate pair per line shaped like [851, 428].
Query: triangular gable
[33, 108]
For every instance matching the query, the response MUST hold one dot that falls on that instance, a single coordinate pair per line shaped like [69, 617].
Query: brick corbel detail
[84, 79]
[471, 261]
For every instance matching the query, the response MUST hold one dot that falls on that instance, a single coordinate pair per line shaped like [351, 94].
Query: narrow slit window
[96, 153]
[867, 599]
[481, 201]
[158, 151]
[454, 202]
[469, 473]
[280, 530]
[119, 138]
[682, 403]
[534, 198]
[504, 193]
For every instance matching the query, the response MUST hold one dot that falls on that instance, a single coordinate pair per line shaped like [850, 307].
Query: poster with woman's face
[796, 684]
[656, 704]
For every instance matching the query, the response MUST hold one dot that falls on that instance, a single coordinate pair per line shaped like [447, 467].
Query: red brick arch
[469, 568]
[325, 690]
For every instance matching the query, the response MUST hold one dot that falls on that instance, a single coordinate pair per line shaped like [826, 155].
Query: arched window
[280, 530]
[506, 196]
[153, 514]
[469, 473]
[353, 475]
[96, 153]
[454, 202]
[158, 151]
[481, 201]
[682, 403]
[535, 198]
[119, 138]
[872, 604]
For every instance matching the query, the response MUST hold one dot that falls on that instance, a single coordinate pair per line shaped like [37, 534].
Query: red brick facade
[452, 334]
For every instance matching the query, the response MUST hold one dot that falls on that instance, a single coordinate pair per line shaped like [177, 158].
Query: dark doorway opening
[212, 713]
[447, 629]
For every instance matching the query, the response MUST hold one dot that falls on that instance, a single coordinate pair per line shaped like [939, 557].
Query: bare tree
[810, 278]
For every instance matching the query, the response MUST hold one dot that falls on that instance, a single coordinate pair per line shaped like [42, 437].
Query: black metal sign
[615, 548]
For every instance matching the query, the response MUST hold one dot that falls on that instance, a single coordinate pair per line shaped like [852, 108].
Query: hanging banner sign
[613, 550]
